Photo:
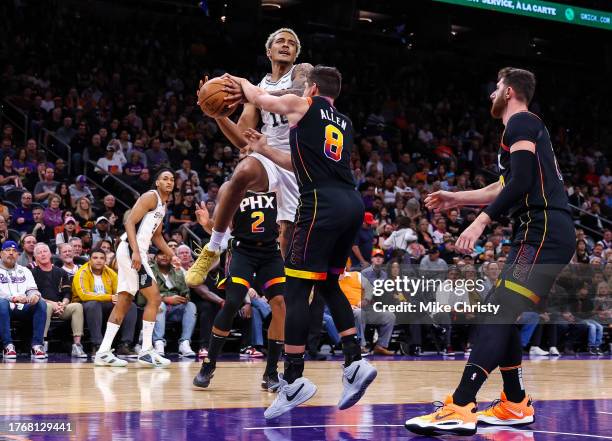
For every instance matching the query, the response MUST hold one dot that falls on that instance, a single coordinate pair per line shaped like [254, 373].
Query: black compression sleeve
[523, 167]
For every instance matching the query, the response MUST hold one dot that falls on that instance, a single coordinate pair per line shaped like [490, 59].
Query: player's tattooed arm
[298, 81]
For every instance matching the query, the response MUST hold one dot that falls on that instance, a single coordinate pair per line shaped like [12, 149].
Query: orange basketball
[210, 99]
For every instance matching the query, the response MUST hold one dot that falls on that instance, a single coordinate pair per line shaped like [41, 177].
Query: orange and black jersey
[546, 192]
[254, 222]
[321, 143]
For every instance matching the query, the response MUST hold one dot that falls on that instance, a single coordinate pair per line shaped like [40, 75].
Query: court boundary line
[322, 426]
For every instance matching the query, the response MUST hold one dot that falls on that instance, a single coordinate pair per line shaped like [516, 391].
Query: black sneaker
[94, 349]
[205, 375]
[270, 382]
[594, 350]
[124, 350]
[416, 351]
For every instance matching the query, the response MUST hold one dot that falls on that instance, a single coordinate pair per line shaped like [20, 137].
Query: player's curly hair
[273, 35]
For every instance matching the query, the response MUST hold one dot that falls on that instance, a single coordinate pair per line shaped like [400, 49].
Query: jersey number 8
[333, 142]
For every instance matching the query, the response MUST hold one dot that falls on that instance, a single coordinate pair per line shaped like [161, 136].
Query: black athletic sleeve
[523, 166]
[522, 126]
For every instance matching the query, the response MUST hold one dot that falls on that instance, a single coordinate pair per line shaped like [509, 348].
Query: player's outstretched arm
[292, 106]
[144, 204]
[259, 143]
[444, 200]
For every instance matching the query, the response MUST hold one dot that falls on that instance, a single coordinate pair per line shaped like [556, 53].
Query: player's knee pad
[297, 320]
[338, 304]
[234, 297]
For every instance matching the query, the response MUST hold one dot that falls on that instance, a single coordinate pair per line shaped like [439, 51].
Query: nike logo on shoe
[516, 414]
[441, 417]
[352, 379]
[293, 395]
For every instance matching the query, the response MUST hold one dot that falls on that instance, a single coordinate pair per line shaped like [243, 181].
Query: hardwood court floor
[83, 402]
[64, 388]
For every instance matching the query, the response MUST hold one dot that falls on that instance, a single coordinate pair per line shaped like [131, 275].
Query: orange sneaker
[506, 413]
[449, 418]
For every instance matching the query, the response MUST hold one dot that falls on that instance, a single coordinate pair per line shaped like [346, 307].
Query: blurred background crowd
[91, 109]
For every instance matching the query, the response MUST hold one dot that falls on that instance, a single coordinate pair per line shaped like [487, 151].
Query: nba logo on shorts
[143, 279]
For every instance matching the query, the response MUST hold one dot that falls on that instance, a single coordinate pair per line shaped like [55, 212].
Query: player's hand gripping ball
[211, 96]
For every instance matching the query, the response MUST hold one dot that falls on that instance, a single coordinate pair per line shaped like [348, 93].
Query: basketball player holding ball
[257, 173]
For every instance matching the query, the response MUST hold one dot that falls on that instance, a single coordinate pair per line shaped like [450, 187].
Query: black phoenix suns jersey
[321, 144]
[547, 192]
[255, 220]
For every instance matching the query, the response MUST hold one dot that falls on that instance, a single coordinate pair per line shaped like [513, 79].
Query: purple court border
[555, 420]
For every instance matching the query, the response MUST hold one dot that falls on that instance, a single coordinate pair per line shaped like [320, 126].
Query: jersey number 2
[259, 218]
[333, 143]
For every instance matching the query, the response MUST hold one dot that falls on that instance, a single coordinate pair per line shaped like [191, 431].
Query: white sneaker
[160, 347]
[290, 396]
[151, 358]
[9, 352]
[108, 359]
[356, 378]
[554, 351]
[38, 352]
[185, 349]
[536, 350]
[77, 351]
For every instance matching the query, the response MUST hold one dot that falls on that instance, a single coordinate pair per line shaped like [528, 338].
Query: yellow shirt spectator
[350, 284]
[91, 283]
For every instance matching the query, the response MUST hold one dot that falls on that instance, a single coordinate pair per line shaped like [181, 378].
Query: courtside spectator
[66, 254]
[19, 299]
[175, 306]
[95, 285]
[54, 285]
[362, 248]
[353, 284]
[183, 252]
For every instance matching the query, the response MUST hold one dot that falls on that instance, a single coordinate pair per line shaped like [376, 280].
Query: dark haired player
[329, 215]
[529, 190]
[143, 226]
[255, 172]
[253, 252]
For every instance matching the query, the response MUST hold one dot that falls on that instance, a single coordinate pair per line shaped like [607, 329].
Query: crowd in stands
[111, 109]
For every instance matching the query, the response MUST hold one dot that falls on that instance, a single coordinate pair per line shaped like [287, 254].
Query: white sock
[109, 336]
[147, 335]
[216, 239]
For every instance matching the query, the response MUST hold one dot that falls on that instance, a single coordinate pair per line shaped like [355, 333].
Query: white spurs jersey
[276, 127]
[148, 224]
